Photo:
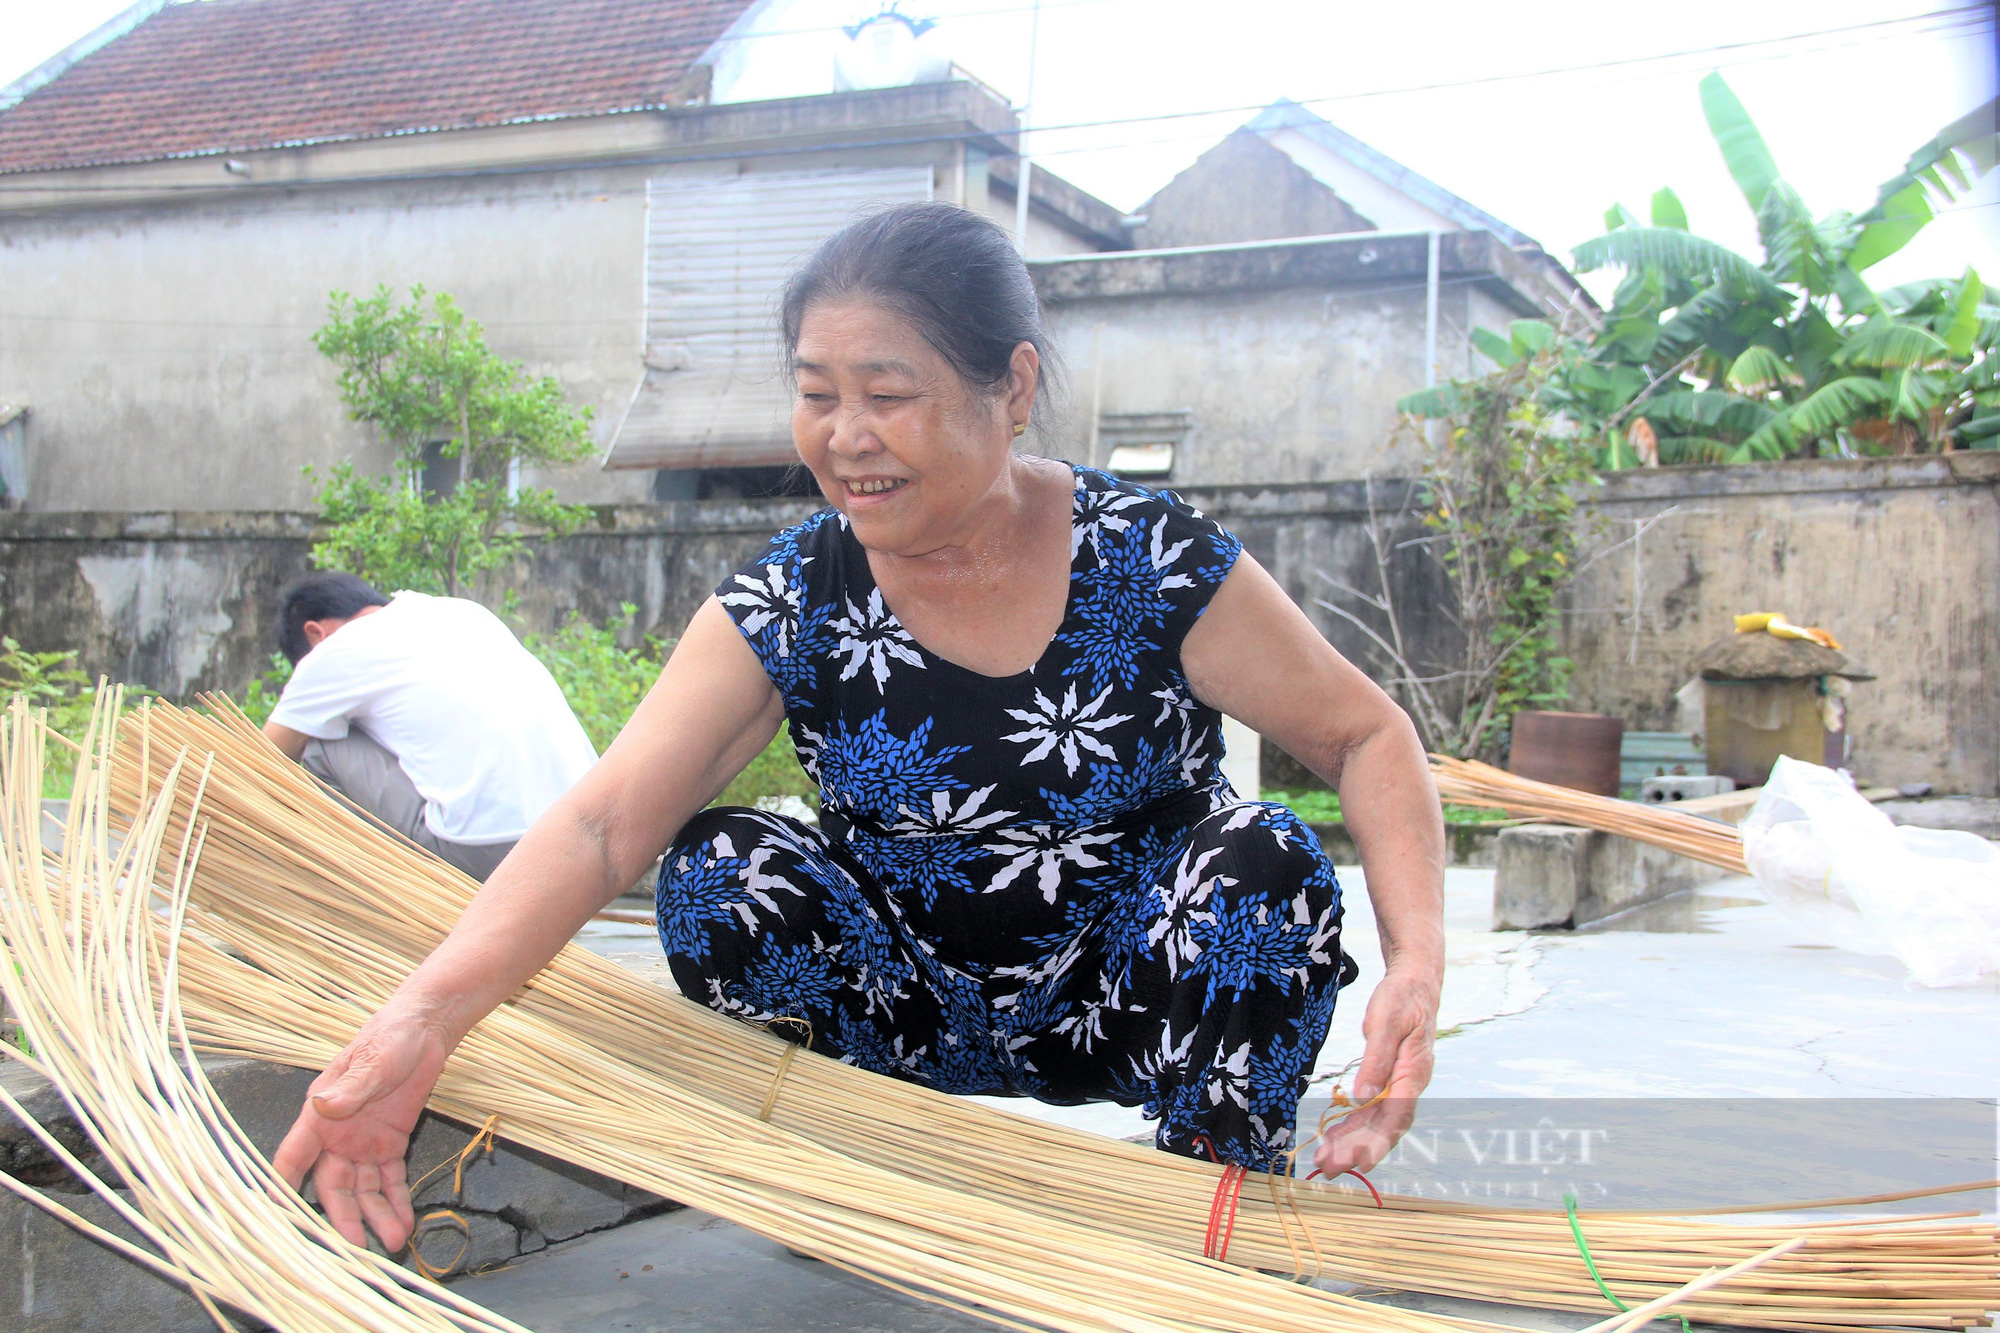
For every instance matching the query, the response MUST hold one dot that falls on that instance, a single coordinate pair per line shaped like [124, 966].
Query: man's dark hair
[328, 595]
[954, 275]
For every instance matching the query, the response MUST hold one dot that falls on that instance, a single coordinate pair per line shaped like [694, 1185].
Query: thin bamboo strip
[329, 882]
[1468, 782]
[1640, 1314]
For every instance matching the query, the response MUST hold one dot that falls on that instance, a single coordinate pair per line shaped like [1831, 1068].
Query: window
[439, 475]
[1142, 445]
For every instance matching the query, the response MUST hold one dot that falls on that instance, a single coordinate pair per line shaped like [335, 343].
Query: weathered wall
[1900, 558]
[166, 351]
[1300, 385]
[1290, 356]
[1242, 189]
[177, 602]
[158, 318]
[187, 602]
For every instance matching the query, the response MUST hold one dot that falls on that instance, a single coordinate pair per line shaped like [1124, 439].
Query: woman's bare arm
[709, 714]
[711, 711]
[1256, 657]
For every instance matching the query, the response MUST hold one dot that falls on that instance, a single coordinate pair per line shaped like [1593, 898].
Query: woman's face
[897, 441]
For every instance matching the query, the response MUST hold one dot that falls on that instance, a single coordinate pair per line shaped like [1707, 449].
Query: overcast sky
[1852, 89]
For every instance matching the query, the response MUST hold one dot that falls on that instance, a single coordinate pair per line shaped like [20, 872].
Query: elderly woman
[1006, 675]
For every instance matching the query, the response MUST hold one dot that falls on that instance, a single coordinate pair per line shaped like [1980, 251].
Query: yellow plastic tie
[784, 1063]
[483, 1141]
[423, 1265]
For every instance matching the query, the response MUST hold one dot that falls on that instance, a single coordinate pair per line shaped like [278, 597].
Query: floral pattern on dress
[1037, 884]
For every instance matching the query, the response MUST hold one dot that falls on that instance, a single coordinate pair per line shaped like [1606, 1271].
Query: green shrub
[261, 695]
[421, 374]
[1323, 807]
[51, 681]
[604, 683]
[774, 773]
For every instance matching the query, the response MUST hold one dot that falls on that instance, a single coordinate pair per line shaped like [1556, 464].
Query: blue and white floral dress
[1036, 884]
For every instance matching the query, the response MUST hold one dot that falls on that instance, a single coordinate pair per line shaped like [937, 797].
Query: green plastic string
[1576, 1230]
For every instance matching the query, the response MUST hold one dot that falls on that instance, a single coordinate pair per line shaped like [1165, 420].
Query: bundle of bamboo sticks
[92, 984]
[1468, 782]
[981, 1208]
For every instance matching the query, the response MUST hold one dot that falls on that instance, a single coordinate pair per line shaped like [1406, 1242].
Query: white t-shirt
[481, 727]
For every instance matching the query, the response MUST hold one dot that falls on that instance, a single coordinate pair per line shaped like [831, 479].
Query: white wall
[167, 352]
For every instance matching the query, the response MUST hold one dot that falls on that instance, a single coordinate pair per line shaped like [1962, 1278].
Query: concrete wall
[1243, 189]
[158, 318]
[1290, 355]
[1297, 385]
[171, 361]
[1900, 558]
[187, 602]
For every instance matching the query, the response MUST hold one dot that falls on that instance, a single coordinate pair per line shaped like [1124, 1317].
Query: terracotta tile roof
[233, 75]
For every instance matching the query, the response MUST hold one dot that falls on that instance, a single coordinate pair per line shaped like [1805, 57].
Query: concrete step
[1557, 876]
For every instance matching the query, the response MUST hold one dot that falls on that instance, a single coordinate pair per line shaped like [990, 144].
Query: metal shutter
[718, 252]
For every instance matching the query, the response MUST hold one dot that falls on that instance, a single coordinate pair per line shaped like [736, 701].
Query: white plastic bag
[1836, 864]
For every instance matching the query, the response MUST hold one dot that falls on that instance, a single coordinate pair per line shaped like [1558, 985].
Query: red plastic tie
[1377, 1194]
[1228, 1193]
[1222, 1213]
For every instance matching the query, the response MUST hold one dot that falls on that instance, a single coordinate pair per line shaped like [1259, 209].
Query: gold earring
[1020, 429]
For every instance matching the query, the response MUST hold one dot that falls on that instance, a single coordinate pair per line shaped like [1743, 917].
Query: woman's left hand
[1400, 1028]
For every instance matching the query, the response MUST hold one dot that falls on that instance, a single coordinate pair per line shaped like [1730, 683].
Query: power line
[1969, 17]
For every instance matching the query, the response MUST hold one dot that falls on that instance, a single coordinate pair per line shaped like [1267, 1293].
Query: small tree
[1498, 499]
[422, 375]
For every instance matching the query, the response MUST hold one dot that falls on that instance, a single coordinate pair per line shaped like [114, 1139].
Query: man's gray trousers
[359, 768]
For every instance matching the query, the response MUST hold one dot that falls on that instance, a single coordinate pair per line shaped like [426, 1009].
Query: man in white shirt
[427, 713]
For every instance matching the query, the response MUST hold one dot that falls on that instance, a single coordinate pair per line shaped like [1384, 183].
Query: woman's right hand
[354, 1129]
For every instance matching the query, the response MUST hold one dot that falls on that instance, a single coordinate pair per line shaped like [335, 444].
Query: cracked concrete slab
[691, 1272]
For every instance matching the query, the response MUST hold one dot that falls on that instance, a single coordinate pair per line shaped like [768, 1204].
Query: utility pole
[1027, 165]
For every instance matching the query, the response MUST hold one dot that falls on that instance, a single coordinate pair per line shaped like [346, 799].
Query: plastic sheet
[1835, 863]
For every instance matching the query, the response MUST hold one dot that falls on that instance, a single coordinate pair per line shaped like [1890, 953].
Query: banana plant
[1730, 360]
